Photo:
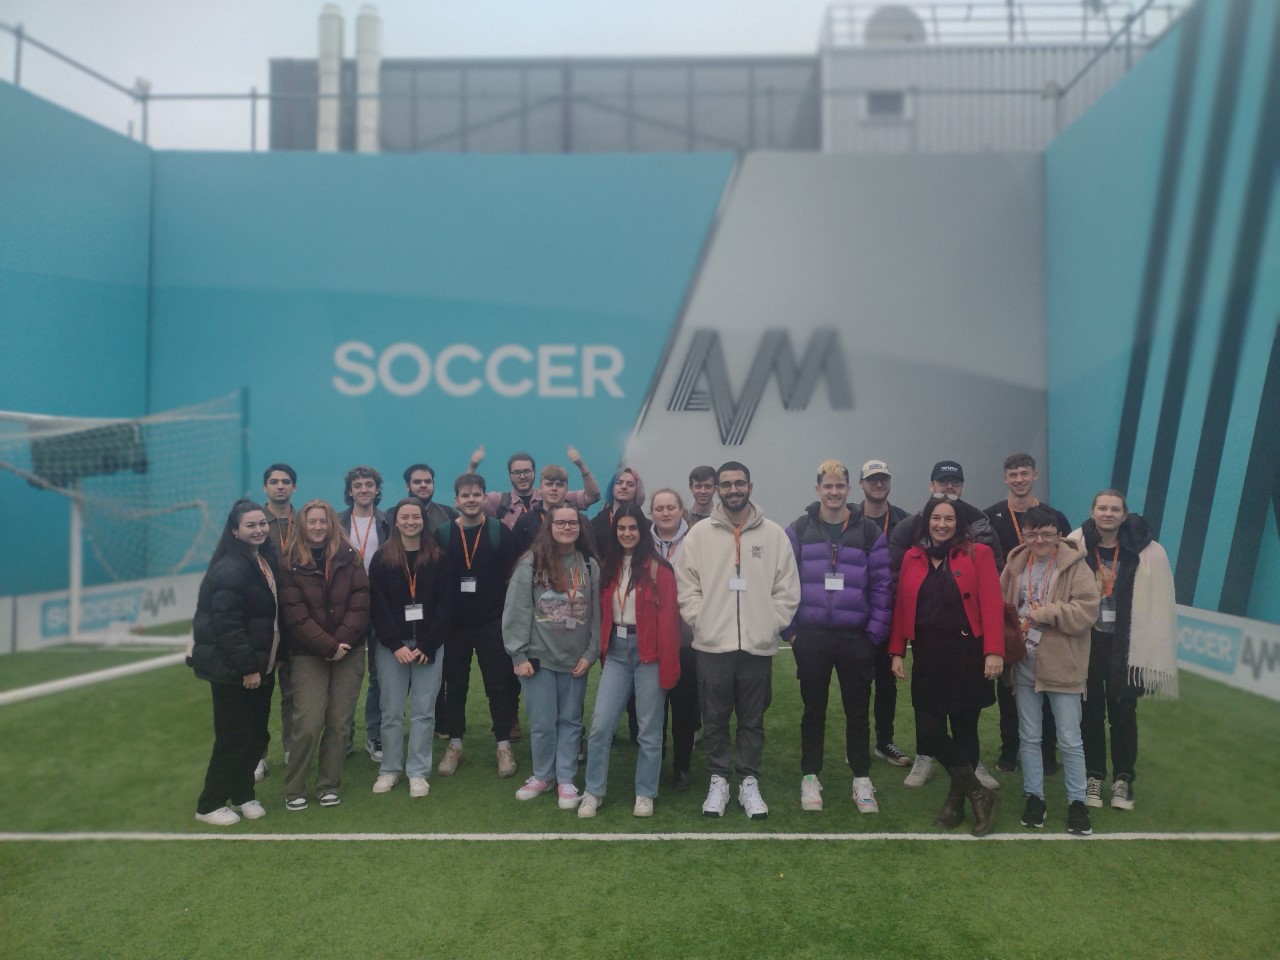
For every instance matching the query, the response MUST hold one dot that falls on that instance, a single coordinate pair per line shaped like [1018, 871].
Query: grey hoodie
[543, 624]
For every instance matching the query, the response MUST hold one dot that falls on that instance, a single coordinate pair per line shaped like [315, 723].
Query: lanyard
[577, 581]
[621, 591]
[362, 544]
[669, 548]
[469, 555]
[1044, 584]
[737, 547]
[412, 576]
[1107, 577]
[1013, 517]
[835, 547]
[288, 532]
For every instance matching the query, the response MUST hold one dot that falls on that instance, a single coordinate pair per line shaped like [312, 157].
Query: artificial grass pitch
[129, 755]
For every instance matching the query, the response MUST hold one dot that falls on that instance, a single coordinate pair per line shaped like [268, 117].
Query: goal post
[146, 495]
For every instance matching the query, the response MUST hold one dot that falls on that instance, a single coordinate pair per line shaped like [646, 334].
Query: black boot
[952, 812]
[985, 802]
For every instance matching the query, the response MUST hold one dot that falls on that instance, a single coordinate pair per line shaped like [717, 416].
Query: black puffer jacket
[235, 622]
[317, 613]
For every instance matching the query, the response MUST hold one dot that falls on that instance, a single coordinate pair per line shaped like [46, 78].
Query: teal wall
[266, 264]
[74, 253]
[1163, 253]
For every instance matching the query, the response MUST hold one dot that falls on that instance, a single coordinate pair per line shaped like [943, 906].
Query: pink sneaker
[569, 796]
[533, 787]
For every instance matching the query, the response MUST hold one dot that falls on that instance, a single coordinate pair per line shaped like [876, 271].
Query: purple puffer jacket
[862, 555]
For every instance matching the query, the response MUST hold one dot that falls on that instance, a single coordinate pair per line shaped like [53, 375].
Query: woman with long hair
[625, 486]
[641, 653]
[551, 629]
[409, 583]
[324, 615]
[235, 648]
[1133, 649]
[670, 524]
[950, 609]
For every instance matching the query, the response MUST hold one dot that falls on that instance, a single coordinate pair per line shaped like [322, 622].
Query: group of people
[685, 609]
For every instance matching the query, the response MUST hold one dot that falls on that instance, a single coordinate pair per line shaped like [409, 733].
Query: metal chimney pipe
[368, 78]
[330, 78]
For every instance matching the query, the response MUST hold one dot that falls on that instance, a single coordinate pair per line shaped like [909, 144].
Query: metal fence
[670, 104]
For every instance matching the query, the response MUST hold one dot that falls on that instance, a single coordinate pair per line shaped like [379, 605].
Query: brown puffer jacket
[317, 612]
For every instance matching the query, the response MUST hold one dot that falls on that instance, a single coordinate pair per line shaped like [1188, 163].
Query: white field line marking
[88, 679]
[143, 837]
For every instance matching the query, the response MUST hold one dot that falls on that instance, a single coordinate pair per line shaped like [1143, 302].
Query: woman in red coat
[642, 644]
[950, 609]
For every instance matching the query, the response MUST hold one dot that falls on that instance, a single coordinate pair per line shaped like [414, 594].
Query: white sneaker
[222, 817]
[568, 796]
[588, 806]
[260, 771]
[810, 792]
[864, 795]
[418, 787]
[452, 757]
[921, 772]
[750, 800]
[985, 778]
[717, 798]
[1093, 793]
[252, 810]
[506, 762]
[643, 807]
[385, 782]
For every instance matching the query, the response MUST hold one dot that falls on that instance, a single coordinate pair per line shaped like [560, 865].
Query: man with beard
[509, 506]
[738, 589]
[420, 482]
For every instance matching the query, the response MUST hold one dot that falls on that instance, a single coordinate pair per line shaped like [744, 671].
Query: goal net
[151, 492]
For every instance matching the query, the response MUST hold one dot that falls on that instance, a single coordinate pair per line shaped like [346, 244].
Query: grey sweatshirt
[543, 624]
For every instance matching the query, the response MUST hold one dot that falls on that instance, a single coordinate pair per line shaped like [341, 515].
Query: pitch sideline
[145, 837]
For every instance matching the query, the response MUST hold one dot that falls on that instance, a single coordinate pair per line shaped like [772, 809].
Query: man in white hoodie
[738, 589]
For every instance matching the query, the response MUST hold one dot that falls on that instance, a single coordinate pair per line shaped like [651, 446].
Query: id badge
[1108, 616]
[1033, 636]
[468, 584]
[413, 611]
[835, 581]
[622, 631]
[738, 583]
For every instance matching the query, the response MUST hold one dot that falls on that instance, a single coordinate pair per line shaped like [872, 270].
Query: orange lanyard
[1013, 517]
[469, 555]
[1105, 576]
[737, 547]
[287, 533]
[1044, 584]
[620, 594]
[365, 542]
[669, 549]
[577, 581]
[412, 576]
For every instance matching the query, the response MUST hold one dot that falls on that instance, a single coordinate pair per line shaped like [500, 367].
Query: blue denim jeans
[1066, 714]
[420, 683]
[622, 675]
[553, 700]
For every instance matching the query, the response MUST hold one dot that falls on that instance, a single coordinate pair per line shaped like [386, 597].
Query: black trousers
[500, 683]
[686, 717]
[1107, 702]
[853, 661]
[957, 750]
[886, 696]
[728, 684]
[240, 738]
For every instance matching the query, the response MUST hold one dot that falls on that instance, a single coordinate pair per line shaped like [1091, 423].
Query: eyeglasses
[877, 481]
[1040, 537]
[734, 484]
[565, 524]
[522, 473]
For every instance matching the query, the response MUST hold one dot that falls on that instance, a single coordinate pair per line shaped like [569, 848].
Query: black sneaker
[890, 752]
[1078, 819]
[1033, 815]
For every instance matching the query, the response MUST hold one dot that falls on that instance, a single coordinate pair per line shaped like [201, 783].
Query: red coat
[979, 589]
[657, 623]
